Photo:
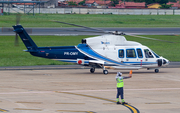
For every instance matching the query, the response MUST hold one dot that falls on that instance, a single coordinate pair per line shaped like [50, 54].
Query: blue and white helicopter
[109, 51]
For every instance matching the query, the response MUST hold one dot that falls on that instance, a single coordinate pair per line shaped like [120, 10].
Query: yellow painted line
[159, 103]
[90, 112]
[109, 103]
[132, 108]
[75, 111]
[69, 103]
[27, 109]
[2, 110]
[29, 102]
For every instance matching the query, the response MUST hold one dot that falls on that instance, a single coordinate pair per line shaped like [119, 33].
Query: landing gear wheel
[105, 72]
[92, 70]
[156, 70]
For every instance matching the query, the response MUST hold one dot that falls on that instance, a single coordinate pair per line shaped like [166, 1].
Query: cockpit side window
[121, 53]
[148, 53]
[130, 53]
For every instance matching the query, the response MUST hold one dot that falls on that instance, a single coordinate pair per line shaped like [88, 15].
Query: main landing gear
[104, 70]
[92, 70]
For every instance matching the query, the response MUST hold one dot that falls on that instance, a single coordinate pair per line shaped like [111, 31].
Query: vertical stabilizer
[29, 43]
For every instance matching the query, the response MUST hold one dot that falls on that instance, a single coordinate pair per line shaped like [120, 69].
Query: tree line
[163, 3]
[151, 1]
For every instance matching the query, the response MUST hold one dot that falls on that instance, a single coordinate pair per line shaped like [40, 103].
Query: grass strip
[92, 20]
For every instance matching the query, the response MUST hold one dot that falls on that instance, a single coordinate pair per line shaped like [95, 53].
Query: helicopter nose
[165, 62]
[162, 62]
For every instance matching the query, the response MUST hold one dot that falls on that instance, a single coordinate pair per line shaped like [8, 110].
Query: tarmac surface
[76, 90]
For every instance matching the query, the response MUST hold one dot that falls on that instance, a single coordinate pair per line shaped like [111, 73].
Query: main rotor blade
[81, 26]
[150, 38]
[8, 29]
[111, 32]
[94, 29]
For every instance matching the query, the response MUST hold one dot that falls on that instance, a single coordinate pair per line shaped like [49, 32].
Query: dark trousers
[120, 92]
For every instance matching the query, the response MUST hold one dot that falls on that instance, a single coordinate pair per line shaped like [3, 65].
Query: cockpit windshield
[148, 53]
[157, 56]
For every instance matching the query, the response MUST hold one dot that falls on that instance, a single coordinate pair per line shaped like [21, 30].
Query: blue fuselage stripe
[86, 49]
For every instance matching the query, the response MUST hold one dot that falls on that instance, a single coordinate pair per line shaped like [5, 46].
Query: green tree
[172, 0]
[138, 0]
[163, 1]
[148, 2]
[165, 6]
[71, 3]
[82, 2]
[114, 2]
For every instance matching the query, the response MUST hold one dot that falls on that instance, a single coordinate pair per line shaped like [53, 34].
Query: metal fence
[99, 11]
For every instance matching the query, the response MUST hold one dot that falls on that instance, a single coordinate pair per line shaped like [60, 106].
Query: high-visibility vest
[120, 82]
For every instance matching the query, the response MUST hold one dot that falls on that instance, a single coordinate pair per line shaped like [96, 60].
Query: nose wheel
[105, 72]
[156, 70]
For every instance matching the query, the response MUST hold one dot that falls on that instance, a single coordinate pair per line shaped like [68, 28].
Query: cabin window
[130, 53]
[121, 53]
[148, 53]
[139, 52]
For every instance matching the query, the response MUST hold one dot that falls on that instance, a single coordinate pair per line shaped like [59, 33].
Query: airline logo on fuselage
[105, 42]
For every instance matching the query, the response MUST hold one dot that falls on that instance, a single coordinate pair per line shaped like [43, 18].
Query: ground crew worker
[120, 85]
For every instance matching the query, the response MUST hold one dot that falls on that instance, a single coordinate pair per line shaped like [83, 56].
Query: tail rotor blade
[16, 43]
[18, 17]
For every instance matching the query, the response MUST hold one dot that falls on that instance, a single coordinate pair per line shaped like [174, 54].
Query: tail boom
[29, 43]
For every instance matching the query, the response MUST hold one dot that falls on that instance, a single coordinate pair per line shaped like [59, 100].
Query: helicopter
[108, 51]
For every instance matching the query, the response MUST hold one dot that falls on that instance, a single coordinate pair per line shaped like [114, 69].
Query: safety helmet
[119, 73]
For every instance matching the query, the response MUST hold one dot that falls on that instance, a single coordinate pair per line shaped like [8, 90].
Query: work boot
[124, 103]
[118, 103]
